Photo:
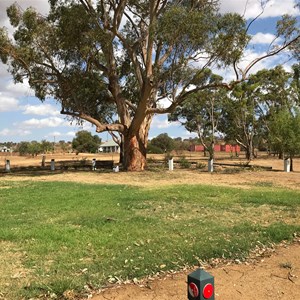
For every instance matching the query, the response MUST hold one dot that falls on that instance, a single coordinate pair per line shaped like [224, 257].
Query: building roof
[110, 143]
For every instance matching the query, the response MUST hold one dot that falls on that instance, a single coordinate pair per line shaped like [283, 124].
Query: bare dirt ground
[275, 277]
[273, 274]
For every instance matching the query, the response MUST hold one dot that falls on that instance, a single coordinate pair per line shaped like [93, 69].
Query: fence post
[287, 165]
[201, 285]
[52, 164]
[171, 164]
[7, 165]
[43, 160]
[210, 165]
[94, 164]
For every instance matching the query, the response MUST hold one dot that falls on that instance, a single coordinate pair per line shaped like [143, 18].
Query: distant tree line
[34, 147]
[83, 142]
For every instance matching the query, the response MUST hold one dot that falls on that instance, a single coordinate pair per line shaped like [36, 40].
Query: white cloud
[252, 8]
[263, 38]
[44, 123]
[40, 110]
[188, 135]
[53, 134]
[14, 132]
[19, 89]
[3, 70]
[250, 55]
[267, 63]
[85, 126]
[71, 133]
[161, 123]
[164, 103]
[8, 103]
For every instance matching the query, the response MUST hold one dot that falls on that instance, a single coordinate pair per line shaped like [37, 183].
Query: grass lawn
[61, 236]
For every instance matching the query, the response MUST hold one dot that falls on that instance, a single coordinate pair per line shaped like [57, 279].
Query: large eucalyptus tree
[111, 62]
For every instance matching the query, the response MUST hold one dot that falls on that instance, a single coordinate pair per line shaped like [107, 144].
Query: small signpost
[200, 285]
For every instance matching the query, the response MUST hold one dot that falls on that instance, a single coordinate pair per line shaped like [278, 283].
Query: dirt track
[273, 278]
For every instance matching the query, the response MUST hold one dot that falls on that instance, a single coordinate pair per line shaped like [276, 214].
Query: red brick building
[218, 148]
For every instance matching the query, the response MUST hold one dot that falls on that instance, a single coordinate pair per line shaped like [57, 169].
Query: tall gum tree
[111, 62]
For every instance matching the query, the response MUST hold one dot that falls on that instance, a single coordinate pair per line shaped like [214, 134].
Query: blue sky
[24, 118]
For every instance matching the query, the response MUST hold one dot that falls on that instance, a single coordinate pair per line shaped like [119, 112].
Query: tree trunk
[121, 160]
[134, 154]
[212, 150]
[135, 147]
[249, 149]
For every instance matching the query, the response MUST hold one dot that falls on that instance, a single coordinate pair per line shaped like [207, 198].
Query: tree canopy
[284, 133]
[85, 142]
[163, 142]
[111, 63]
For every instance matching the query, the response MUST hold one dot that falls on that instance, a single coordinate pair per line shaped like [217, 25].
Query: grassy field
[61, 236]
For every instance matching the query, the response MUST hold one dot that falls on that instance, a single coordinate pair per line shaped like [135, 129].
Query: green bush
[184, 163]
[154, 149]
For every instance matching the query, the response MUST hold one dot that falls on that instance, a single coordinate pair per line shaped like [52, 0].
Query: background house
[109, 147]
[5, 149]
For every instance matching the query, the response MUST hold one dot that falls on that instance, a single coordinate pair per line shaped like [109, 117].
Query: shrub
[184, 163]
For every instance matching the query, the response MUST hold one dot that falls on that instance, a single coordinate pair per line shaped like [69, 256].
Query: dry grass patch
[13, 274]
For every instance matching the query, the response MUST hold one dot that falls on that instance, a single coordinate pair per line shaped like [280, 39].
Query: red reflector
[193, 290]
[208, 291]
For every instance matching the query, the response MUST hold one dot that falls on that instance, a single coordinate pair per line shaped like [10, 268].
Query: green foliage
[163, 142]
[184, 163]
[239, 122]
[252, 104]
[34, 147]
[201, 113]
[73, 55]
[85, 142]
[46, 146]
[154, 149]
[284, 132]
[181, 145]
[23, 148]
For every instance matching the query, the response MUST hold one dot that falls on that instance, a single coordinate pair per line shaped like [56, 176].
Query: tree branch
[270, 54]
[181, 98]
[99, 126]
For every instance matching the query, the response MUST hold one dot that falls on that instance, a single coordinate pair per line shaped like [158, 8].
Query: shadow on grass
[40, 171]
